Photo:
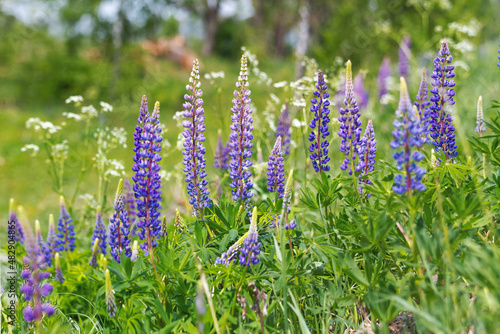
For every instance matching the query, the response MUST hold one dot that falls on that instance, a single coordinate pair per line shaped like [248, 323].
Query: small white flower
[178, 118]
[60, 151]
[280, 84]
[296, 123]
[299, 102]
[74, 98]
[72, 115]
[106, 107]
[36, 124]
[33, 147]
[180, 142]
[91, 111]
[166, 176]
[386, 99]
[89, 200]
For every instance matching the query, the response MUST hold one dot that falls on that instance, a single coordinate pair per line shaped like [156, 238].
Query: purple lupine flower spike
[59, 274]
[319, 125]
[240, 139]
[383, 75]
[422, 103]
[34, 289]
[480, 127]
[276, 170]
[350, 124]
[221, 156]
[498, 53]
[283, 129]
[110, 295]
[42, 250]
[50, 244]
[93, 258]
[147, 182]
[251, 246]
[19, 235]
[408, 134]
[194, 150]
[100, 231]
[65, 228]
[367, 152]
[441, 127]
[119, 227]
[129, 201]
[404, 52]
[360, 92]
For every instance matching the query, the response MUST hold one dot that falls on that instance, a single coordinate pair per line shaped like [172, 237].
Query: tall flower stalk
[50, 244]
[422, 103]
[283, 129]
[251, 246]
[100, 231]
[147, 182]
[194, 150]
[407, 135]
[119, 227]
[441, 126]
[240, 139]
[129, 201]
[350, 124]
[59, 274]
[66, 230]
[383, 75]
[319, 125]
[110, 295]
[367, 152]
[404, 63]
[221, 155]
[276, 170]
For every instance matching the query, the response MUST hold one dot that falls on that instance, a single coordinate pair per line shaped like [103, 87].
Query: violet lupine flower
[221, 155]
[441, 127]
[276, 170]
[283, 129]
[251, 246]
[93, 258]
[39, 241]
[194, 150]
[19, 235]
[480, 127]
[65, 228]
[147, 182]
[129, 201]
[383, 75]
[360, 92]
[100, 231]
[231, 255]
[119, 227]
[350, 124]
[499, 54]
[287, 196]
[422, 103]
[35, 290]
[319, 123]
[110, 296]
[50, 244]
[240, 139]
[408, 134]
[59, 274]
[367, 152]
[404, 51]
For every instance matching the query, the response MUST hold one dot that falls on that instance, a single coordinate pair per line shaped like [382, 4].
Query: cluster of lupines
[407, 134]
[383, 75]
[147, 182]
[34, 288]
[422, 103]
[404, 64]
[66, 230]
[480, 127]
[276, 170]
[350, 124]
[100, 231]
[110, 295]
[441, 128]
[119, 227]
[240, 139]
[283, 129]
[19, 235]
[221, 156]
[367, 152]
[194, 150]
[319, 126]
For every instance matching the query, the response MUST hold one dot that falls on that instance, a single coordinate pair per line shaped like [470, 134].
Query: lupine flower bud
[119, 227]
[319, 125]
[251, 246]
[383, 75]
[276, 170]
[178, 220]
[194, 150]
[110, 296]
[100, 231]
[39, 241]
[221, 155]
[19, 236]
[231, 255]
[350, 124]
[164, 226]
[147, 181]
[434, 160]
[59, 274]
[65, 228]
[441, 127]
[404, 51]
[93, 258]
[422, 103]
[240, 139]
[135, 251]
[480, 127]
[51, 242]
[367, 152]
[283, 129]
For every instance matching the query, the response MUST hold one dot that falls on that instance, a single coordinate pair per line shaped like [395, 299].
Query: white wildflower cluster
[32, 147]
[180, 141]
[280, 84]
[215, 75]
[43, 128]
[297, 124]
[108, 139]
[262, 77]
[59, 151]
[89, 111]
[178, 118]
[74, 99]
[164, 175]
[108, 167]
[272, 104]
[89, 200]
[471, 29]
[72, 115]
[106, 107]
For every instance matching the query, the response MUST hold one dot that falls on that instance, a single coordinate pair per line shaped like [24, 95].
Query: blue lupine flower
[119, 227]
[231, 255]
[319, 125]
[404, 51]
[251, 246]
[100, 232]
[50, 244]
[383, 75]
[283, 129]
[422, 103]
[129, 201]
[350, 124]
[480, 127]
[240, 139]
[59, 274]
[147, 182]
[408, 134]
[19, 235]
[221, 154]
[499, 54]
[42, 250]
[194, 150]
[441, 127]
[93, 258]
[367, 152]
[65, 227]
[360, 92]
[276, 170]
